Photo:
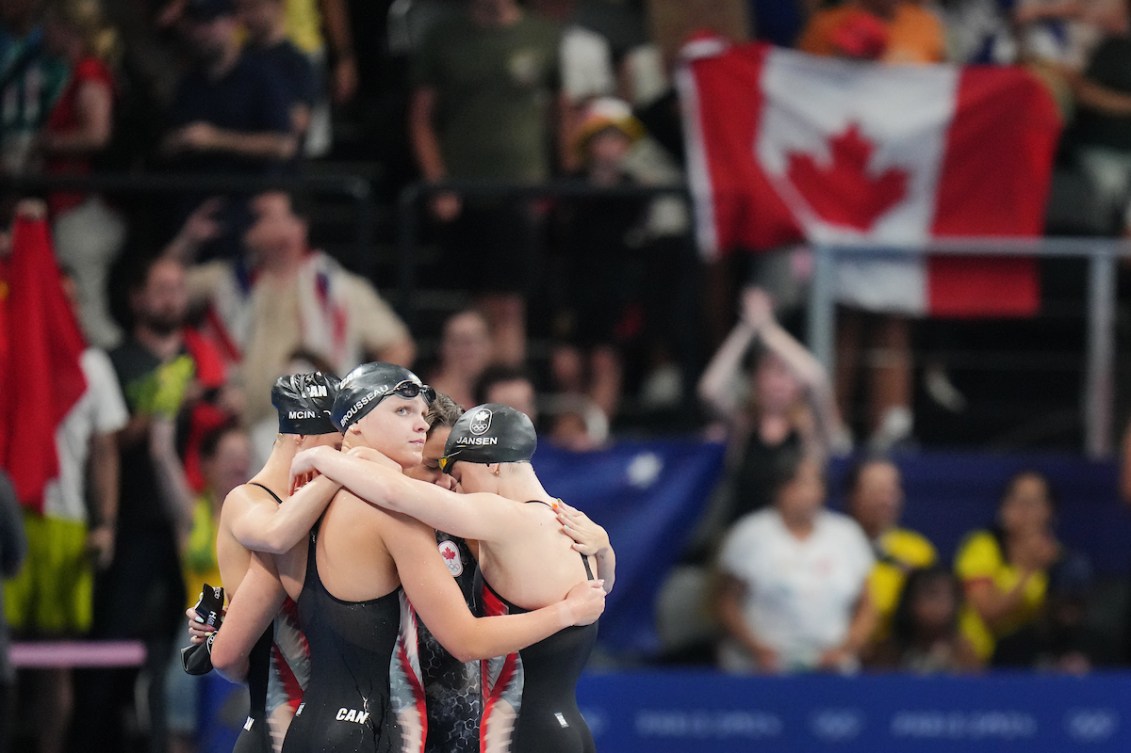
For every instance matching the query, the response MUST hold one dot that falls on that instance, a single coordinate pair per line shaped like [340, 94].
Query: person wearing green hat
[354, 580]
[529, 697]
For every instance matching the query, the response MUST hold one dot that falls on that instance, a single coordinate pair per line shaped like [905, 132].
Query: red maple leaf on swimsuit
[845, 192]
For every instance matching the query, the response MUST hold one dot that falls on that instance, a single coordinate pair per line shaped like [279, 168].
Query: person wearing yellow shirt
[226, 463]
[875, 500]
[1004, 570]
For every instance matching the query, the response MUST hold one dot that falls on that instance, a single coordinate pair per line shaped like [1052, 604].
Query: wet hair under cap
[363, 388]
[490, 433]
[444, 412]
[304, 401]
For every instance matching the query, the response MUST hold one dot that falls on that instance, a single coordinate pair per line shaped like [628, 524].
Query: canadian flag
[41, 347]
[786, 147]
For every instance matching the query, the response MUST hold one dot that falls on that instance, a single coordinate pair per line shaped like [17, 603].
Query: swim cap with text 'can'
[303, 402]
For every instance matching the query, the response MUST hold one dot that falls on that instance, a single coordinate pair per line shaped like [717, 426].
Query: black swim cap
[303, 402]
[367, 385]
[491, 433]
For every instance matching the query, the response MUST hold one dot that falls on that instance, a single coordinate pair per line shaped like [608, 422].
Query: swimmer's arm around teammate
[261, 525]
[475, 516]
[251, 611]
[437, 599]
[590, 540]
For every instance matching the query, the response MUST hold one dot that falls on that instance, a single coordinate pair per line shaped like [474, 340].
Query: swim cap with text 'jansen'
[490, 433]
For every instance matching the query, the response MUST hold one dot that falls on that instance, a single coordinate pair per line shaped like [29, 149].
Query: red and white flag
[41, 347]
[786, 147]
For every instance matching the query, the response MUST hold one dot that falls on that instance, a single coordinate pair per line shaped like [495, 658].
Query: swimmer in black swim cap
[304, 403]
[253, 518]
[367, 385]
[490, 433]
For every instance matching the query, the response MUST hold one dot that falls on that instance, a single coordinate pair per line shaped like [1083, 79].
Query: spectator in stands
[889, 31]
[141, 596]
[1058, 35]
[1060, 639]
[267, 43]
[52, 598]
[321, 30]
[600, 241]
[778, 22]
[587, 65]
[924, 635]
[623, 310]
[1004, 569]
[13, 547]
[570, 423]
[781, 406]
[226, 463]
[978, 31]
[874, 492]
[793, 593]
[485, 86]
[230, 115]
[508, 385]
[464, 353]
[297, 298]
[1101, 132]
[88, 233]
[30, 82]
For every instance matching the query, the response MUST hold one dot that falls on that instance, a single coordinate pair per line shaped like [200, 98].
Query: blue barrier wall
[649, 495]
[704, 712]
[707, 712]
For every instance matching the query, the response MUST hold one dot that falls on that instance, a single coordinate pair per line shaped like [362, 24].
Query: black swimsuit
[452, 695]
[539, 684]
[346, 706]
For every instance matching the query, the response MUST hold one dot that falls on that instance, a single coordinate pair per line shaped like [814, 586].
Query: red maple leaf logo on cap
[844, 192]
[449, 554]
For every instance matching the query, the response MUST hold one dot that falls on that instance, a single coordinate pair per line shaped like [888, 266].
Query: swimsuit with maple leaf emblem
[439, 693]
[530, 698]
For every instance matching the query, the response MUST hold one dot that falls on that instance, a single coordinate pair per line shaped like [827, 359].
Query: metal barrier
[354, 188]
[409, 228]
[413, 195]
[1101, 254]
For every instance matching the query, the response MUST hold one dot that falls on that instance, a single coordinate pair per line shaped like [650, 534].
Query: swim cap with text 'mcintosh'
[491, 433]
[303, 402]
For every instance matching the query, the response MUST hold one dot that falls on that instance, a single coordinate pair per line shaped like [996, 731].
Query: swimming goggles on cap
[408, 389]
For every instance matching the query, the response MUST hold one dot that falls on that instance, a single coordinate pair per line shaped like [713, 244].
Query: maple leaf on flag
[843, 192]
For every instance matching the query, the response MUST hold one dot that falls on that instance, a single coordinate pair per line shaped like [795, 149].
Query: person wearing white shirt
[793, 576]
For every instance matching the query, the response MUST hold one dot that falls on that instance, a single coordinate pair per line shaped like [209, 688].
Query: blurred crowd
[583, 310]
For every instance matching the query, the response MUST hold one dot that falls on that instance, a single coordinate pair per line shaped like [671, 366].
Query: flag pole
[822, 307]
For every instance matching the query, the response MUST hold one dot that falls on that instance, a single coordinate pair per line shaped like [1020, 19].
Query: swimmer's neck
[276, 471]
[518, 481]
